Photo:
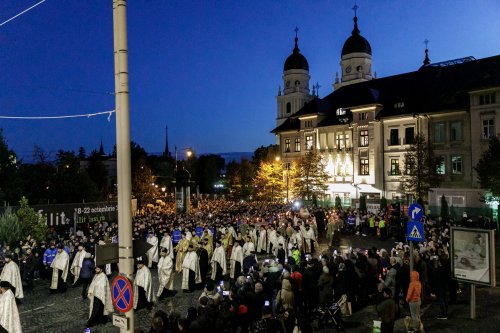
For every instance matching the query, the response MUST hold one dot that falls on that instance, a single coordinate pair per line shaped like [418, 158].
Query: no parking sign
[122, 294]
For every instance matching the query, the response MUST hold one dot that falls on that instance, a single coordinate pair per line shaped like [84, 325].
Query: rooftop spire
[427, 61]
[296, 48]
[355, 31]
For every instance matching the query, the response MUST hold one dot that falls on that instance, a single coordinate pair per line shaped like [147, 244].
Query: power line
[21, 13]
[88, 115]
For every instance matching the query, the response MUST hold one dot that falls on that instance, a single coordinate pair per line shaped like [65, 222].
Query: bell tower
[296, 78]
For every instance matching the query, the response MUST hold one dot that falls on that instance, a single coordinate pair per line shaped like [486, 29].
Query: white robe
[166, 243]
[192, 263]
[152, 253]
[9, 315]
[262, 242]
[165, 276]
[236, 256]
[219, 256]
[143, 279]
[248, 248]
[60, 263]
[99, 287]
[76, 266]
[11, 274]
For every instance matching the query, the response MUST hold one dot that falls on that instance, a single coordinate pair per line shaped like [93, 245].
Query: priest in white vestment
[152, 253]
[9, 315]
[236, 261]
[99, 293]
[166, 243]
[190, 270]
[77, 264]
[60, 268]
[143, 287]
[165, 275]
[262, 241]
[219, 263]
[11, 274]
[248, 247]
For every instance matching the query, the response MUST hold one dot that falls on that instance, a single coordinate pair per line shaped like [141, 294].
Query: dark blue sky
[210, 70]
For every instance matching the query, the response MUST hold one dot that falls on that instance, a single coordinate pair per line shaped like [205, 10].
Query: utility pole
[125, 251]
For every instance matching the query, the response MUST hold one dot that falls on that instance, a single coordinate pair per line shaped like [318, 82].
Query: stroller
[331, 315]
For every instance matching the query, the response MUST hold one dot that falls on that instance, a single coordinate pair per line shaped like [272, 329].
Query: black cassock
[204, 264]
[97, 316]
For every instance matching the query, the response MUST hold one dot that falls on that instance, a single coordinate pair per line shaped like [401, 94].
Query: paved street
[67, 313]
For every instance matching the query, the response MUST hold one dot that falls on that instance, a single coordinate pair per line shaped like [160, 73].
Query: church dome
[356, 43]
[296, 60]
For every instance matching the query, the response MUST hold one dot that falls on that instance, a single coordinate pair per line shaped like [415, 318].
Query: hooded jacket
[415, 288]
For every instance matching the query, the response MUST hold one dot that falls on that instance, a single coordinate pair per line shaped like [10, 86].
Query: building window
[408, 168]
[439, 132]
[340, 112]
[288, 107]
[409, 135]
[441, 168]
[456, 165]
[297, 144]
[340, 140]
[308, 123]
[287, 145]
[363, 116]
[363, 138]
[347, 141]
[394, 138]
[488, 128]
[364, 167]
[487, 99]
[394, 166]
[456, 131]
[309, 142]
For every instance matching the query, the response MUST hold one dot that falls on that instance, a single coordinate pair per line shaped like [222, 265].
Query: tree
[9, 181]
[143, 185]
[265, 154]
[383, 204]
[338, 203]
[269, 184]
[240, 178]
[420, 168]
[10, 228]
[488, 169]
[310, 177]
[32, 223]
[362, 203]
[208, 171]
[444, 209]
[98, 173]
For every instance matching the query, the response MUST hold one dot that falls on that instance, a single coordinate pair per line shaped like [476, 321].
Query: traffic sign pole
[415, 228]
[126, 260]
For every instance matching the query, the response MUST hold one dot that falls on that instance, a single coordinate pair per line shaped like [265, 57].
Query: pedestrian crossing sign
[415, 231]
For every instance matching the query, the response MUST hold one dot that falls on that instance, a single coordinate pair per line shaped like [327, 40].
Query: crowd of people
[257, 264]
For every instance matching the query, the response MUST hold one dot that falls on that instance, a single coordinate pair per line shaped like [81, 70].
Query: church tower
[295, 84]
[356, 60]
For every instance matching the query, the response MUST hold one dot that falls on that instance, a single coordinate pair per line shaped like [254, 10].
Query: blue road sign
[122, 294]
[415, 231]
[415, 212]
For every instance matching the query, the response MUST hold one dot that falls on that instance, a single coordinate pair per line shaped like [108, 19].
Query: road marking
[42, 307]
[50, 304]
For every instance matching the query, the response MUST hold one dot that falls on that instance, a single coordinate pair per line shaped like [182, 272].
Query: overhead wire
[21, 13]
[87, 115]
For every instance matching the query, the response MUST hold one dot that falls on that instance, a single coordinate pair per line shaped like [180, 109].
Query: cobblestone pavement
[67, 313]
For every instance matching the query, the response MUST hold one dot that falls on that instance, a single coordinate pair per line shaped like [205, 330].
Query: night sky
[209, 70]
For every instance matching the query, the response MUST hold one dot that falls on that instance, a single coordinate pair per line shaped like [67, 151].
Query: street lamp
[189, 153]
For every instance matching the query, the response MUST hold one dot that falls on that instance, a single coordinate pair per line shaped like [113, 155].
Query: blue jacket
[49, 255]
[87, 268]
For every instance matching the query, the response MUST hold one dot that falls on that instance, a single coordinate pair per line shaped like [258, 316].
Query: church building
[365, 126]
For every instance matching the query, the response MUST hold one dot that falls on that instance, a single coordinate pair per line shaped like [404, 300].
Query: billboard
[473, 255]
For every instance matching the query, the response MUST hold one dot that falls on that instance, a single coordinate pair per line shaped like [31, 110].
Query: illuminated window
[441, 168]
[309, 142]
[340, 112]
[287, 145]
[488, 128]
[340, 140]
[297, 144]
[363, 138]
[364, 167]
[456, 165]
[394, 166]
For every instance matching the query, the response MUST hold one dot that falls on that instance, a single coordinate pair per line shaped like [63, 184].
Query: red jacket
[415, 288]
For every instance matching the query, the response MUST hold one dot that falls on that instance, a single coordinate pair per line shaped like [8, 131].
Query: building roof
[356, 43]
[296, 60]
[428, 90]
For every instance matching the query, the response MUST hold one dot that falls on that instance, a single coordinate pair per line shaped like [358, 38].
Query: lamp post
[189, 153]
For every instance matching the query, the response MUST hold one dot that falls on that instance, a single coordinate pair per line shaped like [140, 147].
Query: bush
[10, 228]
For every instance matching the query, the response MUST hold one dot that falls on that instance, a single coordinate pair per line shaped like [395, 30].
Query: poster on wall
[473, 255]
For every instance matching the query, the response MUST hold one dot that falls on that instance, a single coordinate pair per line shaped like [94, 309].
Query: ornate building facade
[365, 126]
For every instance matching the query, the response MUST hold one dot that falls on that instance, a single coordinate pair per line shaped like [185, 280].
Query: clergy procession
[235, 267]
